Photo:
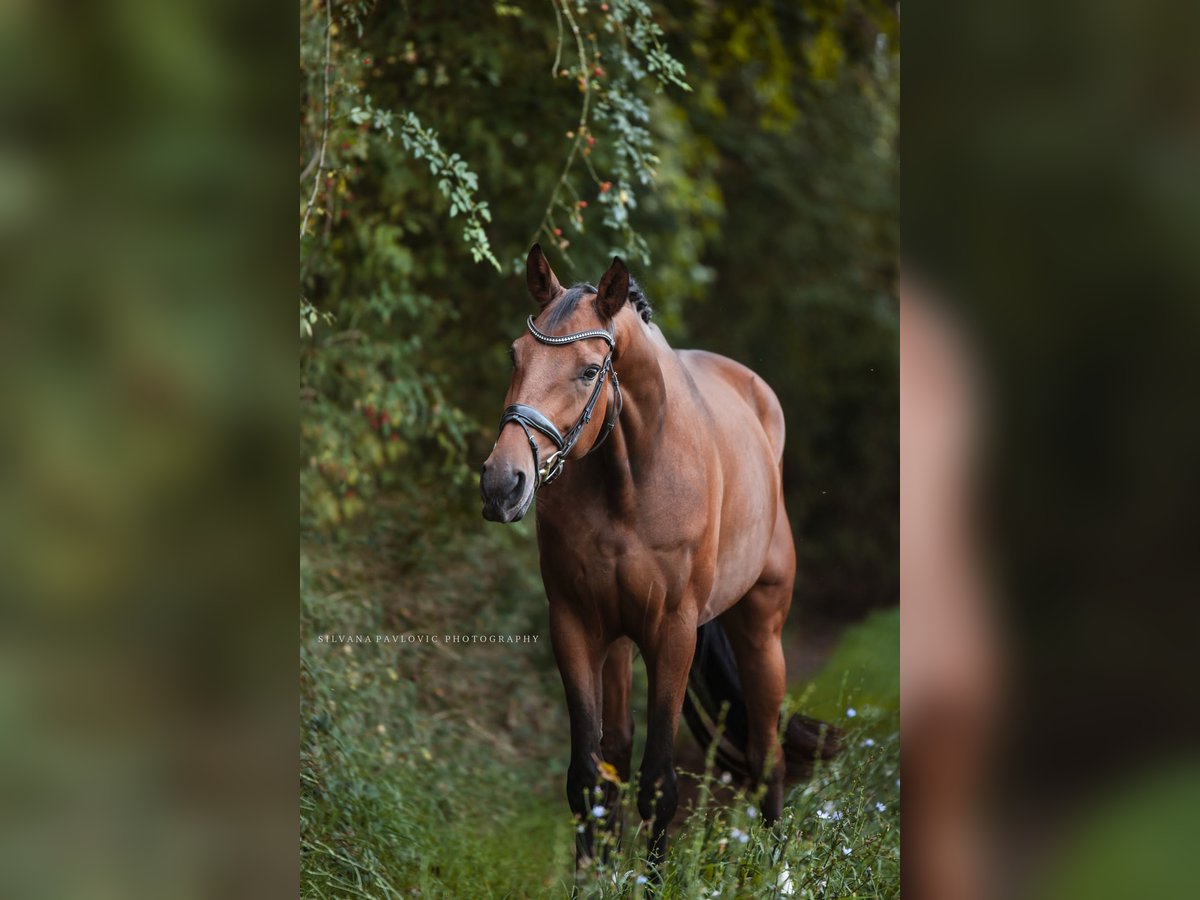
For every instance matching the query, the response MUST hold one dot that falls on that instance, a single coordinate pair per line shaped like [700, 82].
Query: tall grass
[437, 770]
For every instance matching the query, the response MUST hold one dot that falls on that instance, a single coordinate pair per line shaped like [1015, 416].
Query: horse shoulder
[708, 368]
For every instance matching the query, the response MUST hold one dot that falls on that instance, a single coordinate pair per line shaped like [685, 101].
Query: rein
[529, 418]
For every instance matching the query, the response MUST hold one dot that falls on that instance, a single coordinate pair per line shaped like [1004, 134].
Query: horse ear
[613, 290]
[543, 284]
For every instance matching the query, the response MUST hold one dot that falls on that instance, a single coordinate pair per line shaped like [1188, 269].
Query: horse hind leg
[754, 626]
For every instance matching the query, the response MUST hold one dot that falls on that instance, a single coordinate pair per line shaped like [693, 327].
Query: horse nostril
[518, 488]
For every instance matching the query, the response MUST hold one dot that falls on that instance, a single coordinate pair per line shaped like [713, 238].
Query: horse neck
[634, 443]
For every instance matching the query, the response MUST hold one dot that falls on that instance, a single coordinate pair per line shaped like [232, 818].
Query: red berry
[605, 187]
[599, 72]
[583, 204]
[558, 232]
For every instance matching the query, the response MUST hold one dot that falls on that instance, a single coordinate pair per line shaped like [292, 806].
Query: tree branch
[324, 125]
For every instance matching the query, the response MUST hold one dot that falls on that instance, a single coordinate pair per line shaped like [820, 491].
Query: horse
[661, 525]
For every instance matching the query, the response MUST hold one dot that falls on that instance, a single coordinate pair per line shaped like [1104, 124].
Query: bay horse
[660, 524]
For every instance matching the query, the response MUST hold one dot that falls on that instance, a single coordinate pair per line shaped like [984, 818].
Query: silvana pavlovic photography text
[424, 638]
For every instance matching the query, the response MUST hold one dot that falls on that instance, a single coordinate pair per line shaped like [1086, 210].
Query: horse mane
[568, 302]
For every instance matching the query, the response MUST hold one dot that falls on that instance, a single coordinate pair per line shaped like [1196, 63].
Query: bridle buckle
[552, 467]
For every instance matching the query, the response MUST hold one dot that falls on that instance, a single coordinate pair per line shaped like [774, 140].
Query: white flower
[641, 879]
[579, 829]
[784, 883]
[881, 807]
[868, 743]
[845, 851]
[851, 713]
[599, 812]
[740, 836]
[726, 778]
[828, 813]
[751, 813]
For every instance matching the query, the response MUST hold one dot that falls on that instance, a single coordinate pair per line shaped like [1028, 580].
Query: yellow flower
[609, 773]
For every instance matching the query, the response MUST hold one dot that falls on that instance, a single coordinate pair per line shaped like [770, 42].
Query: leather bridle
[529, 418]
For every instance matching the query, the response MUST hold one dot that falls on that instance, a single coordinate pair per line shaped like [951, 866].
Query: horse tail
[715, 690]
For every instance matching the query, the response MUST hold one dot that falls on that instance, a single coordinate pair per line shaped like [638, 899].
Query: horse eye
[590, 372]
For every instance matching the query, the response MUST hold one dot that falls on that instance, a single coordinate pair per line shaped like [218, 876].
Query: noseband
[529, 418]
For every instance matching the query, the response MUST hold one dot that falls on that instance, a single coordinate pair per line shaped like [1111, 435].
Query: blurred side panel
[1052, 194]
[147, 511]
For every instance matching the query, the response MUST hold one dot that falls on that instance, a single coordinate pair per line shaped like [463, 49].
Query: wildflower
[868, 743]
[828, 813]
[726, 778]
[845, 851]
[751, 813]
[881, 807]
[579, 829]
[851, 713]
[784, 883]
[599, 812]
[641, 879]
[740, 836]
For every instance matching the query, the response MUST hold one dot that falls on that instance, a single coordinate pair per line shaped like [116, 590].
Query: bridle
[529, 418]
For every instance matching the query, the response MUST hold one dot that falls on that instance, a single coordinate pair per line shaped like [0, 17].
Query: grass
[437, 770]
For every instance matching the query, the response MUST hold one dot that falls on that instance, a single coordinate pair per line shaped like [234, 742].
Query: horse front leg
[616, 742]
[580, 655]
[668, 660]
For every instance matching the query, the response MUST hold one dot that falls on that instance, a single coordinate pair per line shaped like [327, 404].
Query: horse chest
[623, 578]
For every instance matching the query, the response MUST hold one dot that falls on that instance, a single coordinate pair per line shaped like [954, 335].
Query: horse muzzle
[507, 491]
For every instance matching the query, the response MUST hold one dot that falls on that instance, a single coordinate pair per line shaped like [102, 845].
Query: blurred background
[1050, 224]
[742, 159]
[147, 393]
